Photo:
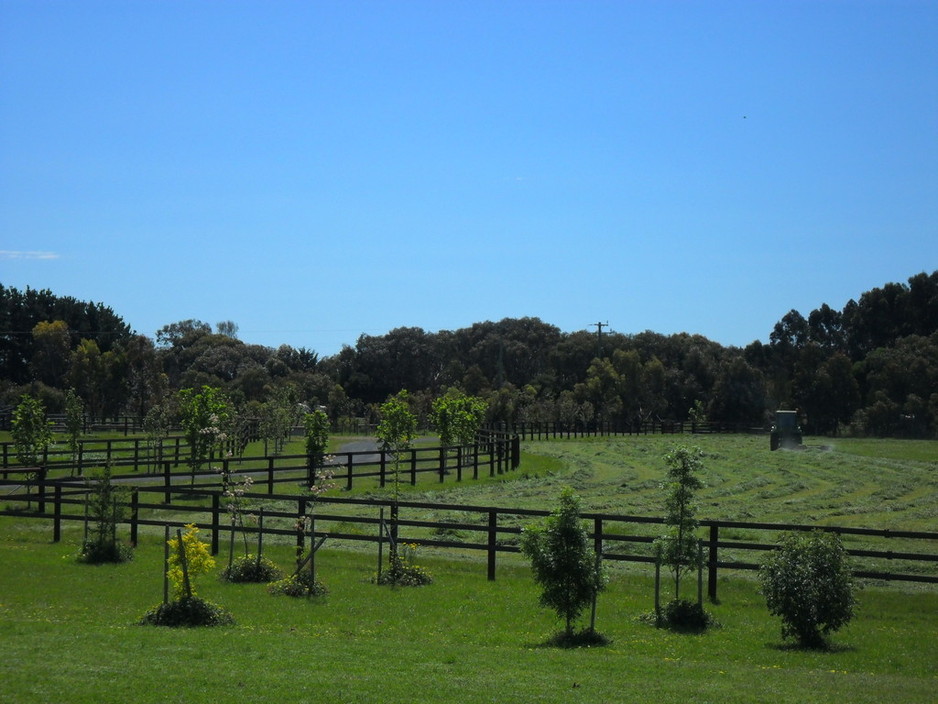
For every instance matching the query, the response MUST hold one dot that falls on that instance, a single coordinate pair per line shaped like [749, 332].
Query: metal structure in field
[786, 433]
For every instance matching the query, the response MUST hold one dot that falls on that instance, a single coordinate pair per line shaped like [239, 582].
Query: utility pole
[599, 337]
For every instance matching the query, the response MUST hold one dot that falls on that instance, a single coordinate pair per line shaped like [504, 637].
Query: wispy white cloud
[12, 254]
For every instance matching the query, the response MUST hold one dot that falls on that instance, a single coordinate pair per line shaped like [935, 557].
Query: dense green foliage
[563, 561]
[31, 431]
[22, 311]
[872, 366]
[396, 430]
[204, 416]
[457, 417]
[807, 581]
[316, 427]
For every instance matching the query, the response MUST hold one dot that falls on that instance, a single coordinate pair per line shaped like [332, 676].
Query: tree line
[872, 366]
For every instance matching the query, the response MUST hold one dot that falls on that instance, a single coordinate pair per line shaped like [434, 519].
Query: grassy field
[68, 631]
[68, 634]
[858, 483]
[861, 483]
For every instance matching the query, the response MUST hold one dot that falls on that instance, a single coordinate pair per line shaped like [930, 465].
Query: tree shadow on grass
[577, 639]
[823, 647]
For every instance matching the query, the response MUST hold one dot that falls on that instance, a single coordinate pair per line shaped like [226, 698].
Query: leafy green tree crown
[32, 432]
[457, 417]
[398, 425]
[316, 425]
[563, 561]
[204, 416]
[807, 582]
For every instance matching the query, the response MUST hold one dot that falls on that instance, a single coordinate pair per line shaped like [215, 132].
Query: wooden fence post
[184, 563]
[598, 535]
[475, 459]
[216, 505]
[493, 524]
[167, 483]
[41, 487]
[700, 573]
[165, 564]
[134, 516]
[57, 515]
[598, 548]
[413, 467]
[712, 563]
[382, 468]
[270, 475]
[260, 535]
[301, 527]
[380, 541]
[348, 482]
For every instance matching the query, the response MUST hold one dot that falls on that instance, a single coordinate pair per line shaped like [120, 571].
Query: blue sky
[317, 170]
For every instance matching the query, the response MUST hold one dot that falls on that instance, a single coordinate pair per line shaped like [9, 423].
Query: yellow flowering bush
[198, 559]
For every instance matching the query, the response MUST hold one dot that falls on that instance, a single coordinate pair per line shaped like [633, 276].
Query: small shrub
[187, 612]
[402, 571]
[250, 568]
[808, 583]
[96, 553]
[298, 585]
[684, 615]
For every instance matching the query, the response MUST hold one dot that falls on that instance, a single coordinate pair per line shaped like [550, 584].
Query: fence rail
[486, 529]
[493, 453]
[550, 430]
[139, 452]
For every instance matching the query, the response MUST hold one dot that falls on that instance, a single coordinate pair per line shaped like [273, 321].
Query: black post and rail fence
[493, 454]
[889, 555]
[55, 493]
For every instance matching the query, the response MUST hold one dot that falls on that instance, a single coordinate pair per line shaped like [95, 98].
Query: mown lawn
[68, 634]
[868, 483]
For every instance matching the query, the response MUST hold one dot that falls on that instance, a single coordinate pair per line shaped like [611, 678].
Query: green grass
[843, 482]
[68, 635]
